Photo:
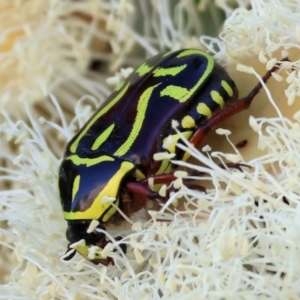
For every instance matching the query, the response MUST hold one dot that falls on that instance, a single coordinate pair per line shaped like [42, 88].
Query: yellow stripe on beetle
[103, 137]
[204, 110]
[99, 207]
[143, 69]
[227, 88]
[76, 160]
[217, 98]
[189, 52]
[183, 94]
[169, 143]
[106, 108]
[188, 122]
[159, 72]
[138, 122]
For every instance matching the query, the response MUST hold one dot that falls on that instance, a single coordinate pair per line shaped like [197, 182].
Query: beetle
[107, 164]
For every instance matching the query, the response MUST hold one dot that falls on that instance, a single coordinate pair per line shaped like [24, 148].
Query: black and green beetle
[111, 158]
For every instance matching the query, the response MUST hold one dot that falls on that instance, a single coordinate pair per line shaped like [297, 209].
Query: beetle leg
[223, 166]
[230, 110]
[160, 178]
[164, 178]
[234, 166]
[170, 177]
[103, 261]
[139, 188]
[189, 186]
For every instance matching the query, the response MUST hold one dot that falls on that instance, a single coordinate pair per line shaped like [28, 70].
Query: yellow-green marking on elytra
[89, 161]
[160, 72]
[204, 110]
[103, 137]
[168, 53]
[119, 86]
[188, 122]
[104, 110]
[143, 69]
[217, 98]
[189, 52]
[169, 143]
[183, 94]
[138, 122]
[176, 92]
[227, 88]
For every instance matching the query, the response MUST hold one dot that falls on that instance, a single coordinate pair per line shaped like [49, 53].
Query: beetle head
[78, 231]
[89, 190]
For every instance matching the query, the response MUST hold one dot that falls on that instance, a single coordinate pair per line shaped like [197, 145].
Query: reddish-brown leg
[230, 110]
[141, 188]
[234, 166]
[160, 178]
[170, 177]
